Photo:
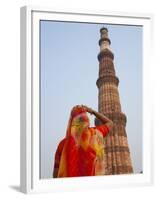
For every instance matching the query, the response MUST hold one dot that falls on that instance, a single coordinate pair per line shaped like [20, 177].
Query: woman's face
[79, 123]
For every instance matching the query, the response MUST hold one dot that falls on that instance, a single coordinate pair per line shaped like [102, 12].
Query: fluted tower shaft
[117, 154]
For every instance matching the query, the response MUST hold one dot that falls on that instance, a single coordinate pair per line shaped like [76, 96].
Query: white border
[30, 182]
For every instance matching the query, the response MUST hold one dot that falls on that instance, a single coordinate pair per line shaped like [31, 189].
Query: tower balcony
[104, 39]
[107, 79]
[104, 53]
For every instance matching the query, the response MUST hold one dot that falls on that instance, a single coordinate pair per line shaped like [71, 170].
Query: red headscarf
[82, 147]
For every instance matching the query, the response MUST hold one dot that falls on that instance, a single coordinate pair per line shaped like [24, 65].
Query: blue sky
[69, 70]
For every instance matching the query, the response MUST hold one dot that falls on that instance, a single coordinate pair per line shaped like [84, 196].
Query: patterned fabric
[81, 152]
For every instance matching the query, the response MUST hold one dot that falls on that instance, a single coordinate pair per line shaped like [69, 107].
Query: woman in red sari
[81, 152]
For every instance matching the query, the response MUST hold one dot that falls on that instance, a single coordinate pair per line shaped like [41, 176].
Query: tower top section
[104, 43]
[104, 36]
[103, 29]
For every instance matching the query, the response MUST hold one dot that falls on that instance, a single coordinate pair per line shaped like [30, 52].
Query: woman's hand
[79, 106]
[89, 110]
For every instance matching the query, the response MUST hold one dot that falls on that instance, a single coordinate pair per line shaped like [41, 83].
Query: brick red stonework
[117, 153]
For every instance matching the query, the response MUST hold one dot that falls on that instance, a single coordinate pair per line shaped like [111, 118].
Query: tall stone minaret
[117, 154]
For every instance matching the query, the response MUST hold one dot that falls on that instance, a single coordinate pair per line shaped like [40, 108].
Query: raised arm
[101, 117]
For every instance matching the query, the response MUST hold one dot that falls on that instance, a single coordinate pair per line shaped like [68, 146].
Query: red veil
[81, 153]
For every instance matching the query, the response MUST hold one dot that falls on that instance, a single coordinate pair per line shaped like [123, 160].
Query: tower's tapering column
[117, 154]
